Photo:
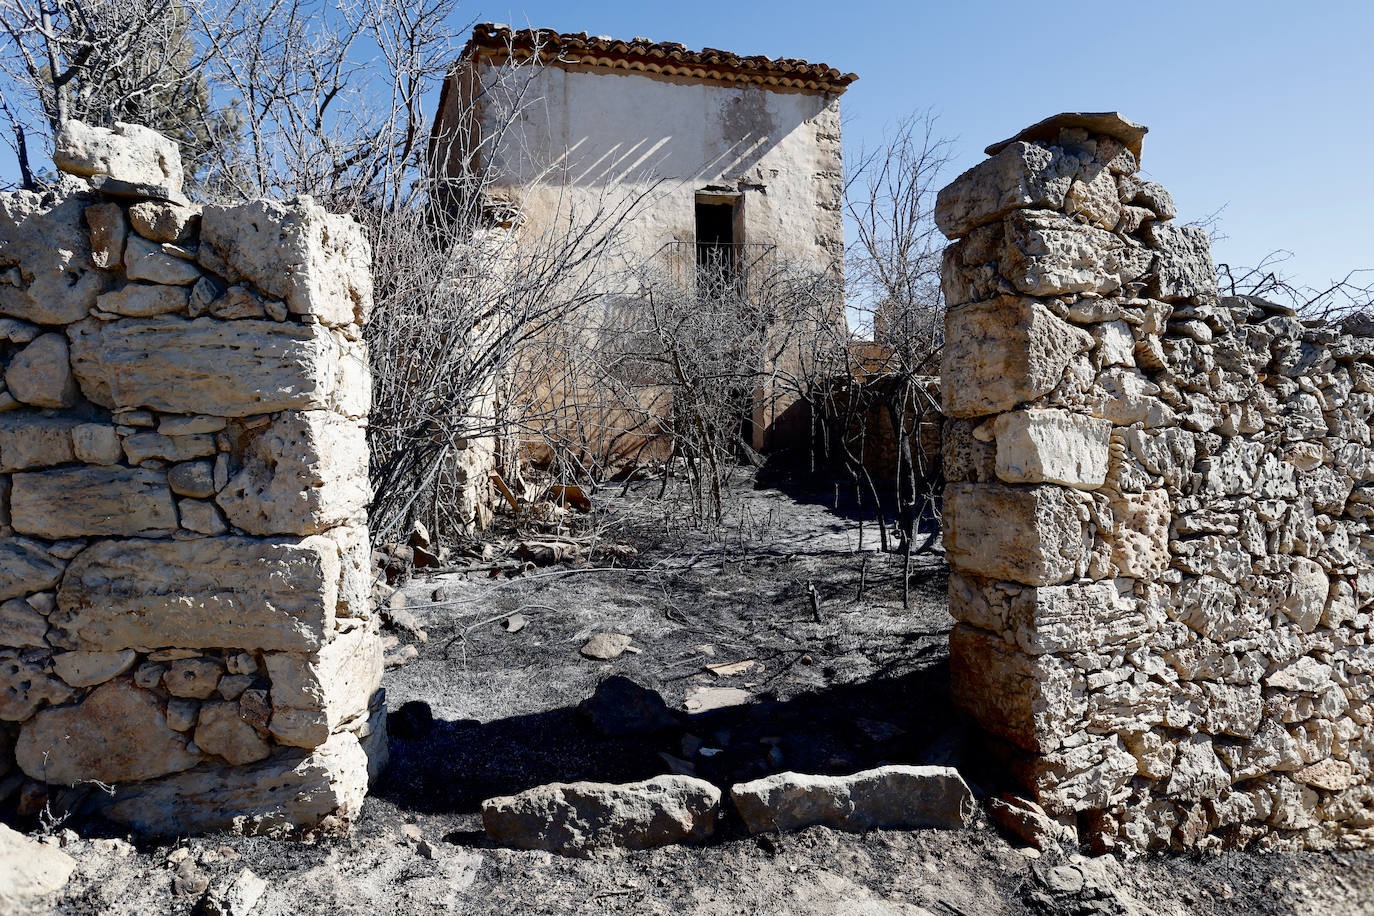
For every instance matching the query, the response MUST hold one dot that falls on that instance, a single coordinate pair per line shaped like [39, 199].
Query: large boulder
[577, 819]
[319, 263]
[887, 797]
[124, 594]
[126, 152]
[118, 733]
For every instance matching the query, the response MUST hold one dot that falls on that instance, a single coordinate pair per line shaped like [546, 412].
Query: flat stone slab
[902, 797]
[243, 593]
[1109, 123]
[577, 819]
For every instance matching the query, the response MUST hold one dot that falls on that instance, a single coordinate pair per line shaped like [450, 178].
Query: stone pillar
[184, 555]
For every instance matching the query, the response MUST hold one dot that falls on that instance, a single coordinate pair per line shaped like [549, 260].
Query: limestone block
[579, 818]
[26, 567]
[1035, 702]
[47, 242]
[314, 695]
[21, 626]
[202, 517]
[1002, 352]
[97, 443]
[1092, 198]
[193, 678]
[30, 440]
[126, 152]
[1184, 268]
[1031, 535]
[1197, 773]
[162, 221]
[1308, 588]
[1052, 446]
[145, 260]
[355, 581]
[142, 446]
[86, 669]
[275, 594]
[1047, 254]
[1097, 125]
[41, 375]
[109, 230]
[1021, 175]
[902, 797]
[221, 368]
[1114, 344]
[144, 300]
[303, 474]
[82, 501]
[318, 262]
[291, 790]
[27, 684]
[1093, 774]
[964, 458]
[118, 733]
[1156, 198]
[1140, 533]
[221, 732]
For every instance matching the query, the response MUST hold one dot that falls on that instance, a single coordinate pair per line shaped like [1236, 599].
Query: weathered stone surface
[903, 797]
[46, 241]
[303, 474]
[234, 898]
[29, 869]
[142, 446]
[1047, 254]
[191, 594]
[1093, 198]
[109, 230]
[1140, 535]
[118, 733]
[96, 443]
[1155, 198]
[86, 669]
[1107, 123]
[606, 646]
[160, 221]
[1002, 352]
[202, 517]
[21, 626]
[143, 300]
[126, 152]
[81, 501]
[26, 567]
[192, 478]
[1052, 446]
[223, 733]
[1184, 268]
[145, 260]
[1020, 175]
[291, 790]
[580, 818]
[319, 263]
[1031, 535]
[222, 368]
[27, 684]
[30, 440]
[194, 678]
[315, 695]
[1035, 702]
[41, 375]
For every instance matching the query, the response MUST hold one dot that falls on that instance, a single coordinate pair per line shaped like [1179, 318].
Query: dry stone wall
[184, 609]
[1158, 513]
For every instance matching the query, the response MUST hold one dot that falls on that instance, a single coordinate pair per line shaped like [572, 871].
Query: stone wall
[1158, 514]
[183, 500]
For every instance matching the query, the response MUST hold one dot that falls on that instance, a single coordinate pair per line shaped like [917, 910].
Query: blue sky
[1263, 108]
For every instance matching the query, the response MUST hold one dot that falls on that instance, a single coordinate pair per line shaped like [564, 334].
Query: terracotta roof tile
[667, 58]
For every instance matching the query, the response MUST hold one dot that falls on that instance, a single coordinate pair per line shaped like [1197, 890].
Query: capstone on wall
[1158, 513]
[184, 556]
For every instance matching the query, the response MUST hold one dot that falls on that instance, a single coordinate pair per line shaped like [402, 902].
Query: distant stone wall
[184, 556]
[1158, 514]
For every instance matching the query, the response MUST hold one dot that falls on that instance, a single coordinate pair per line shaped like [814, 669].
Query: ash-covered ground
[859, 682]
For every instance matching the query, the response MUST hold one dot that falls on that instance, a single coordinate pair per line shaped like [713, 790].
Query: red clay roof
[665, 58]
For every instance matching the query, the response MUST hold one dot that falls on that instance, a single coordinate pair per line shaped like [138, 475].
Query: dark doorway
[717, 248]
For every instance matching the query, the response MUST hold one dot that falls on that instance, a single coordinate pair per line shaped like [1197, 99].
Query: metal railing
[712, 269]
